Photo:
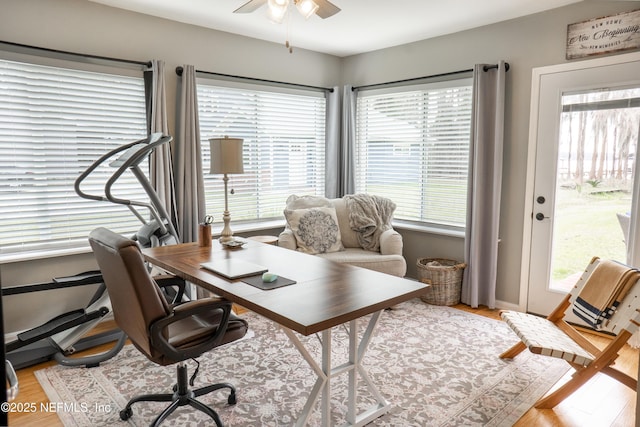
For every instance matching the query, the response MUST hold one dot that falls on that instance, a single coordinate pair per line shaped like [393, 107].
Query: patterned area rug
[438, 366]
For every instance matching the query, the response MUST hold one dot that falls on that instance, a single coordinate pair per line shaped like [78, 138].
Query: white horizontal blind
[283, 148]
[413, 147]
[54, 122]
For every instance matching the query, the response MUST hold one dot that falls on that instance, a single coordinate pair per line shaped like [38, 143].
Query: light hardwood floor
[600, 403]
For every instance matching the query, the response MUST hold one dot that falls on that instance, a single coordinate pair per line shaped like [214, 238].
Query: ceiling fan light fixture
[278, 10]
[306, 7]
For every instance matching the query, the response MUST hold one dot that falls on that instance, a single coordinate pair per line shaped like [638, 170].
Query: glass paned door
[595, 174]
[585, 134]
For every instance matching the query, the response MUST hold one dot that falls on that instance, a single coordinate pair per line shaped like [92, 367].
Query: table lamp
[226, 158]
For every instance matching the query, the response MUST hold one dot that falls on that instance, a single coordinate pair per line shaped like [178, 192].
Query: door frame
[527, 228]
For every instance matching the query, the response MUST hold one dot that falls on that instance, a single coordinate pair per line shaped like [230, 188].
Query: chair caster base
[182, 395]
[125, 414]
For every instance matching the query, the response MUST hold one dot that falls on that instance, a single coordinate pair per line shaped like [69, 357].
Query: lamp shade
[226, 155]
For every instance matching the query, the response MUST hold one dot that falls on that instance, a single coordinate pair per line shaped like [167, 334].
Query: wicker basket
[445, 278]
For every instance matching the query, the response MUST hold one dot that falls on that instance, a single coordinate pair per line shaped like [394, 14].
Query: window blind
[54, 122]
[283, 149]
[412, 145]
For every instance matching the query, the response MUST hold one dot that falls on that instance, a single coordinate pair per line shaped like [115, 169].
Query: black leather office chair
[163, 333]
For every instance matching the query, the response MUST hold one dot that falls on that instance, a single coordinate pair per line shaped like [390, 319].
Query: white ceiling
[361, 26]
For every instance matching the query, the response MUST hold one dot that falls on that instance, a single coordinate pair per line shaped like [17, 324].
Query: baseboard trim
[503, 305]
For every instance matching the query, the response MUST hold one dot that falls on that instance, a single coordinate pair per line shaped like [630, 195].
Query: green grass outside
[585, 226]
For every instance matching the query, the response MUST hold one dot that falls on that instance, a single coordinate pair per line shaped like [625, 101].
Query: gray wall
[86, 27]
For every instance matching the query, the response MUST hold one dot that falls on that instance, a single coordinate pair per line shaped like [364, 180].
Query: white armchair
[345, 247]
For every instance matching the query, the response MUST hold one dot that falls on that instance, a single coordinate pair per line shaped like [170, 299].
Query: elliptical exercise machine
[159, 230]
[64, 334]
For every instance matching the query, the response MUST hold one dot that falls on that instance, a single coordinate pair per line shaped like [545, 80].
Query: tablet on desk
[234, 268]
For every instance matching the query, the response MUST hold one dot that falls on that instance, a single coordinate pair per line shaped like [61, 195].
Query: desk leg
[353, 367]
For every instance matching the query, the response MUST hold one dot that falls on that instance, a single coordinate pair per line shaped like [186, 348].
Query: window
[412, 146]
[284, 147]
[54, 122]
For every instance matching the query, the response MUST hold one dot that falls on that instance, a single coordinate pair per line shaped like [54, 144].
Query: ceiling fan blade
[326, 9]
[250, 6]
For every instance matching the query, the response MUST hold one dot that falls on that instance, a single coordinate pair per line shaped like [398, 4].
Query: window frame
[79, 64]
[462, 79]
[214, 184]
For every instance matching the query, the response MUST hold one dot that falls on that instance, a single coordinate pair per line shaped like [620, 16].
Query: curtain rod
[84, 55]
[179, 71]
[451, 73]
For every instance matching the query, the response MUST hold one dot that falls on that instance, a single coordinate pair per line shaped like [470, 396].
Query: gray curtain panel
[348, 142]
[332, 156]
[190, 202]
[485, 186]
[160, 164]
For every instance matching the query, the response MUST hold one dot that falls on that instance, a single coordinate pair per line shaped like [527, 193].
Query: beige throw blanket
[603, 291]
[369, 217]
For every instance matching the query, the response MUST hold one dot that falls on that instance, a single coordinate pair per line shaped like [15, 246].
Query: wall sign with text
[604, 35]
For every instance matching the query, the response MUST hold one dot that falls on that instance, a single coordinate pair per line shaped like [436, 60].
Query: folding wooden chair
[554, 337]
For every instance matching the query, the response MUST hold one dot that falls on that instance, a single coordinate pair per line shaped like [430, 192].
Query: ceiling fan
[277, 8]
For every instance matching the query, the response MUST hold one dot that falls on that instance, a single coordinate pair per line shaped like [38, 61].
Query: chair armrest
[391, 243]
[199, 306]
[183, 311]
[165, 281]
[287, 239]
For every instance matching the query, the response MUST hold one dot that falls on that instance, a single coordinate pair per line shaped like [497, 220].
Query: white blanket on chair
[369, 216]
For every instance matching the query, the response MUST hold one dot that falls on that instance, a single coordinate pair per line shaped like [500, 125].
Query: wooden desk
[326, 295]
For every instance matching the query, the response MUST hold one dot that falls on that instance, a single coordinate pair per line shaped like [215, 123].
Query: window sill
[237, 227]
[430, 229]
[251, 227]
[35, 255]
